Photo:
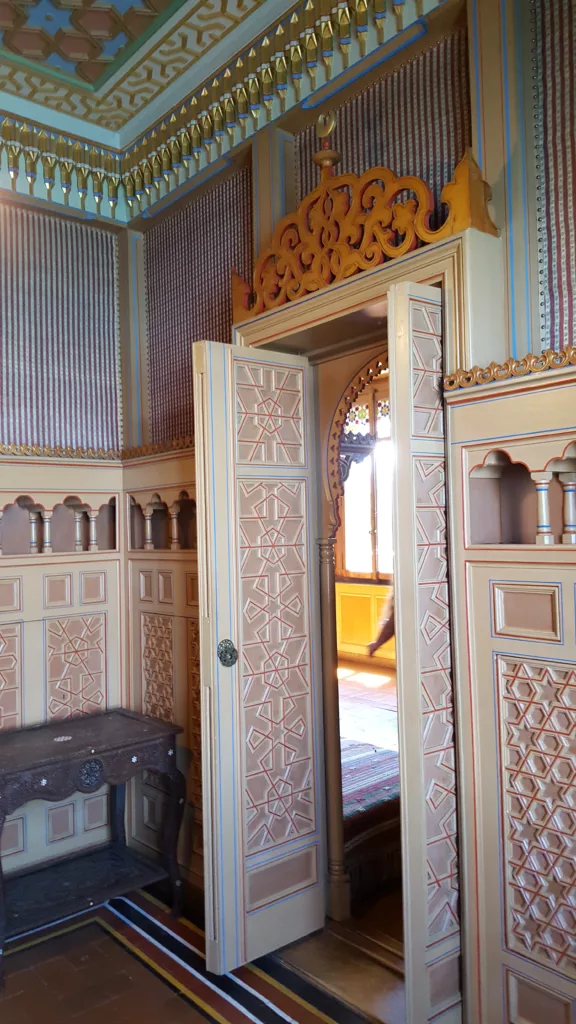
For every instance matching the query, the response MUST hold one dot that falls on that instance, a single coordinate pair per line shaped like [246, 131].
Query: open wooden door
[259, 653]
[427, 769]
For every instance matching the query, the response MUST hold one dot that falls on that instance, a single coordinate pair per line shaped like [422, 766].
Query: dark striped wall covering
[59, 336]
[188, 264]
[554, 60]
[415, 120]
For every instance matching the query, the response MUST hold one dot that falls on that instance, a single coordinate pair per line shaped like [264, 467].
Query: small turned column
[47, 537]
[1, 518]
[338, 881]
[174, 538]
[544, 533]
[148, 542]
[93, 543]
[568, 481]
[78, 545]
[33, 516]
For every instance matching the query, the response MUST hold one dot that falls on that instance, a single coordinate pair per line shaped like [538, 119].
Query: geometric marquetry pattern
[429, 478]
[277, 714]
[538, 748]
[427, 370]
[157, 666]
[269, 414]
[10, 675]
[76, 665]
[194, 712]
[437, 704]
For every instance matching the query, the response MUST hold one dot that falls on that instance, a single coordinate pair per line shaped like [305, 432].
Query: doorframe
[467, 268]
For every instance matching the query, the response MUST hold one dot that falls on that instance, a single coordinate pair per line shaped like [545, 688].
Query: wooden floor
[129, 962]
[344, 968]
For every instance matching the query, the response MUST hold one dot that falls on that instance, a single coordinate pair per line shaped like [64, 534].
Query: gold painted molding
[532, 363]
[276, 72]
[59, 452]
[125, 455]
[179, 444]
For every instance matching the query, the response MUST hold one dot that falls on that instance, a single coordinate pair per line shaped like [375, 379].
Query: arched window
[364, 542]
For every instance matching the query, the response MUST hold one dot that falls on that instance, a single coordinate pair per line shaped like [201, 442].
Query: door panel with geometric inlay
[261, 697]
[425, 690]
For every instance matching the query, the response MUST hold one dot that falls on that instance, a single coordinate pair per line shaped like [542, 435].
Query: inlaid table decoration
[53, 761]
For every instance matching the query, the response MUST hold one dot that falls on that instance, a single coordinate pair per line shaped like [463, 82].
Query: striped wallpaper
[59, 337]
[188, 265]
[415, 120]
[554, 78]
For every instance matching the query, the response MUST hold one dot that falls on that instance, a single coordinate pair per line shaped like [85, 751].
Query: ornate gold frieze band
[180, 444]
[532, 363]
[285, 65]
[40, 451]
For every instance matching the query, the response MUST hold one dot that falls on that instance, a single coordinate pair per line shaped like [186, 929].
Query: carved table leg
[2, 911]
[118, 813]
[174, 813]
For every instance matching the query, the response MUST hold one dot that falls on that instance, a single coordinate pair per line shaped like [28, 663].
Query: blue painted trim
[136, 334]
[344, 79]
[159, 206]
[507, 437]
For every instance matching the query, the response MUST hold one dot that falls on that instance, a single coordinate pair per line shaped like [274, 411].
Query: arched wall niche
[162, 524]
[28, 526]
[502, 501]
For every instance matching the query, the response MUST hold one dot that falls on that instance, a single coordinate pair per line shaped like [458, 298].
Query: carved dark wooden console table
[53, 761]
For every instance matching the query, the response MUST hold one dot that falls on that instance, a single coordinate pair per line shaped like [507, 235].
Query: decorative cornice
[45, 451]
[349, 224]
[532, 363]
[125, 455]
[180, 444]
[314, 43]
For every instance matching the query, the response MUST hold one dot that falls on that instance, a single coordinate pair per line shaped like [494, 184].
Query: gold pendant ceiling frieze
[316, 40]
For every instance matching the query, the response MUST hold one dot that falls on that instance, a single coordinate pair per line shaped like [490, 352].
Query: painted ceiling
[84, 38]
[105, 61]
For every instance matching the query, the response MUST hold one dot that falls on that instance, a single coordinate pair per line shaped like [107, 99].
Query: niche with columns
[163, 522]
[39, 525]
[510, 503]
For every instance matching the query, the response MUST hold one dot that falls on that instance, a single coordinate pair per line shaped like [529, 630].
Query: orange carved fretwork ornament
[349, 224]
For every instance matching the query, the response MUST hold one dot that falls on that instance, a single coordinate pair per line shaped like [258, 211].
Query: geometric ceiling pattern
[109, 106]
[105, 61]
[79, 37]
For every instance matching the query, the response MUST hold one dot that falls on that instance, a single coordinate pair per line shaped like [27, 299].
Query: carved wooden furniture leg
[2, 911]
[118, 813]
[174, 813]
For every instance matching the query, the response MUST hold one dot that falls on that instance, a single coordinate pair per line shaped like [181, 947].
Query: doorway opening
[367, 691]
[360, 959]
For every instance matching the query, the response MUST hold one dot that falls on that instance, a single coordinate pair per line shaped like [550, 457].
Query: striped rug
[265, 992]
